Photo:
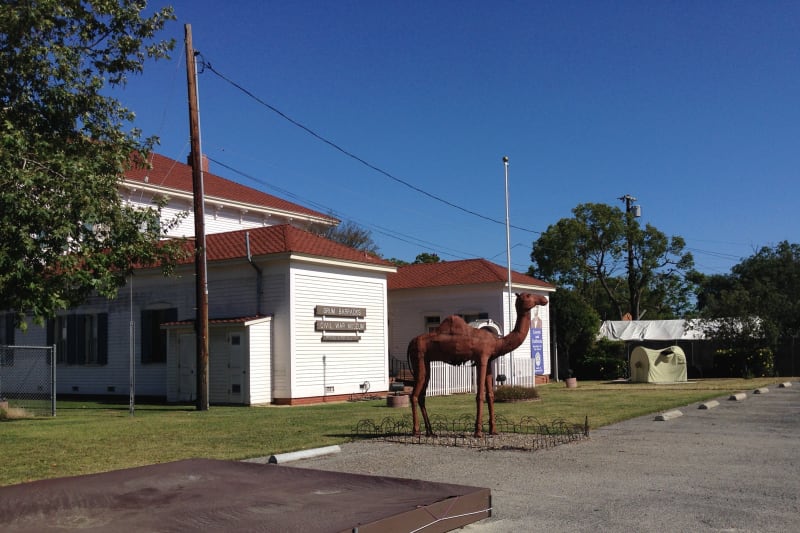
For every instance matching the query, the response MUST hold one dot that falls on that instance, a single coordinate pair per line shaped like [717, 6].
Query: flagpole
[508, 261]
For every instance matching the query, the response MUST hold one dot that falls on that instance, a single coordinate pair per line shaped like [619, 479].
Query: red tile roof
[466, 272]
[280, 239]
[172, 174]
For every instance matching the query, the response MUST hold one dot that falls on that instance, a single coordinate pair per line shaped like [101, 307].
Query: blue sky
[690, 106]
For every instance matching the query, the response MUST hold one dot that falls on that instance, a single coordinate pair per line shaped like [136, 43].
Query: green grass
[88, 437]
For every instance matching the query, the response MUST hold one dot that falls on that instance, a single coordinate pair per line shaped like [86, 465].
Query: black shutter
[72, 339]
[102, 339]
[9, 326]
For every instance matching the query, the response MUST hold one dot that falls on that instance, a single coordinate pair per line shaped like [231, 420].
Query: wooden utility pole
[631, 212]
[201, 283]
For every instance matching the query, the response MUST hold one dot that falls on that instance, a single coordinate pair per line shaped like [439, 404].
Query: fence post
[53, 380]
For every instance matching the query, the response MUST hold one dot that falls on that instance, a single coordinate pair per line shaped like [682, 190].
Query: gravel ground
[735, 467]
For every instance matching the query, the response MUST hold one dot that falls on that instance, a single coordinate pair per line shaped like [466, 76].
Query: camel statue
[456, 343]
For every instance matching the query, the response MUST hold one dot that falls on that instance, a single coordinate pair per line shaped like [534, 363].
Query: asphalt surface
[733, 468]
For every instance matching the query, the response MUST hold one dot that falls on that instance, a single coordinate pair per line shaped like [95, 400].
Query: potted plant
[571, 381]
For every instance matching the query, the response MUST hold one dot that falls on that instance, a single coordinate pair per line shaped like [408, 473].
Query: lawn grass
[87, 437]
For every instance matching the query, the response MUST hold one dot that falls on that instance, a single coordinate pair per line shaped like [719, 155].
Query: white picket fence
[448, 379]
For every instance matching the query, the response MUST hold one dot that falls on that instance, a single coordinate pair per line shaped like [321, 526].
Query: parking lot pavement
[734, 467]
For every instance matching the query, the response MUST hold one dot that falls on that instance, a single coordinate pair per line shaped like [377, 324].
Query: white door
[236, 370]
[187, 358]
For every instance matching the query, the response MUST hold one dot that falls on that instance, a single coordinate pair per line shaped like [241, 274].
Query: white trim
[213, 201]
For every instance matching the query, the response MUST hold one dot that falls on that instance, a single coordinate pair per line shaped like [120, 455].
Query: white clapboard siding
[276, 302]
[216, 220]
[320, 367]
[259, 382]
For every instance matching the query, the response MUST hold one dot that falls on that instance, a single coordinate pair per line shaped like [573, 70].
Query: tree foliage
[576, 326]
[351, 234]
[589, 253]
[426, 257]
[65, 144]
[765, 285]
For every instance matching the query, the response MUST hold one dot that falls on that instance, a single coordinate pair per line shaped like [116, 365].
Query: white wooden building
[422, 295]
[269, 340]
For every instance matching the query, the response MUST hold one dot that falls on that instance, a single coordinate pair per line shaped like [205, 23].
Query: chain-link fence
[28, 379]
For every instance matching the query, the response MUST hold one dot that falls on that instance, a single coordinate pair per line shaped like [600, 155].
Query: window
[80, 339]
[431, 323]
[472, 317]
[154, 339]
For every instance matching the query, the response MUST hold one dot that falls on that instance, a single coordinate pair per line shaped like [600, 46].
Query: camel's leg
[422, 396]
[490, 399]
[419, 389]
[481, 382]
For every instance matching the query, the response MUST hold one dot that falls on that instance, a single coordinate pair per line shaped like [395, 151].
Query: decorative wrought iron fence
[528, 433]
[28, 379]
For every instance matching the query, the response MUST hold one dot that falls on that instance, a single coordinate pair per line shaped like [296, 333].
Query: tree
[576, 326]
[759, 301]
[427, 258]
[588, 253]
[352, 235]
[64, 230]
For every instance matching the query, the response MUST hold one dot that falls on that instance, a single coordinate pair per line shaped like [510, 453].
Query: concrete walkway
[732, 467]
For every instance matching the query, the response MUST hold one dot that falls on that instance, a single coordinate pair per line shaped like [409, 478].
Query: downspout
[259, 274]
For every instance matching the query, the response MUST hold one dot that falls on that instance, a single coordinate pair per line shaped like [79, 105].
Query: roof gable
[448, 273]
[170, 174]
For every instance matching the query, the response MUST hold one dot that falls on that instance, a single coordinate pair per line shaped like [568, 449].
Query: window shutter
[72, 339]
[9, 327]
[102, 339]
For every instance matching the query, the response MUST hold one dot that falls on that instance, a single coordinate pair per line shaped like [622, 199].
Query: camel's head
[527, 301]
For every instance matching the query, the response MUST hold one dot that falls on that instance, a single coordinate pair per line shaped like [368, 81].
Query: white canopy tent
[660, 334]
[651, 330]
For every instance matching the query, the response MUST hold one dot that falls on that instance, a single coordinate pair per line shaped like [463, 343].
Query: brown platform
[211, 495]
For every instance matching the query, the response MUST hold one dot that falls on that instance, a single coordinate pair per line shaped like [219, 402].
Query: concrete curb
[709, 405]
[738, 397]
[303, 454]
[669, 415]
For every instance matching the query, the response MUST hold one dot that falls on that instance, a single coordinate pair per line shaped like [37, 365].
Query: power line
[207, 66]
[409, 239]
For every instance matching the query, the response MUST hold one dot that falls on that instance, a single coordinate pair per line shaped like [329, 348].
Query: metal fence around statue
[526, 434]
[27, 381]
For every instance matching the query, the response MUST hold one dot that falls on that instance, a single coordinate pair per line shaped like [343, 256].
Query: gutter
[259, 274]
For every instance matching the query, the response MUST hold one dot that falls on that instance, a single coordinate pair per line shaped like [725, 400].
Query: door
[187, 359]
[236, 370]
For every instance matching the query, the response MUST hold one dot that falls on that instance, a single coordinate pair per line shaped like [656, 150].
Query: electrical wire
[207, 66]
[409, 239]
